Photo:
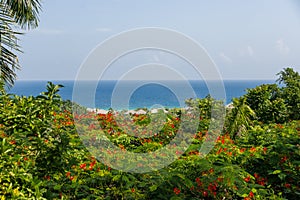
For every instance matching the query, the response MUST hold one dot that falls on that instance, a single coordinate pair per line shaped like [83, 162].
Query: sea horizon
[146, 96]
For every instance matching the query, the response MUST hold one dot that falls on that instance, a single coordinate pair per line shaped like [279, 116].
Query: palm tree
[14, 14]
[239, 117]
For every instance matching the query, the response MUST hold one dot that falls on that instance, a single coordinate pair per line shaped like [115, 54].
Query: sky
[245, 39]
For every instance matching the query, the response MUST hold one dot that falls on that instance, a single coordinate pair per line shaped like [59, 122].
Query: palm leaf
[24, 12]
[12, 13]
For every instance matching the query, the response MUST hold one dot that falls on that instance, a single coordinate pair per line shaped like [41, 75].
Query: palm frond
[8, 40]
[13, 13]
[24, 12]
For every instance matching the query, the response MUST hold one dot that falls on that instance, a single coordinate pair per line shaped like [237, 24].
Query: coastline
[143, 111]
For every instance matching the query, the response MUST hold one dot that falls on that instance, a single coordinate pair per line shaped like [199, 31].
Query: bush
[43, 157]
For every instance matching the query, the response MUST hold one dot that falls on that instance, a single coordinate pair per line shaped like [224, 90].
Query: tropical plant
[267, 103]
[14, 13]
[239, 118]
[291, 91]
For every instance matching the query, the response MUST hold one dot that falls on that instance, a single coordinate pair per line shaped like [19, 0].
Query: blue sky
[246, 39]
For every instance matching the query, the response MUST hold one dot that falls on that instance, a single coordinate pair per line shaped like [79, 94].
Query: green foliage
[239, 118]
[209, 109]
[290, 93]
[265, 100]
[274, 104]
[43, 157]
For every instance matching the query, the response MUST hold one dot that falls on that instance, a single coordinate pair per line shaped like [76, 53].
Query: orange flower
[13, 142]
[252, 149]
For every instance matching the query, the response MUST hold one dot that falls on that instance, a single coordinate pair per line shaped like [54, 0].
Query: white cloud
[103, 29]
[282, 47]
[47, 31]
[225, 58]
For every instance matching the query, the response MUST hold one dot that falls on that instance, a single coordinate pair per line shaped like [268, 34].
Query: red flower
[47, 177]
[287, 185]
[283, 159]
[205, 193]
[92, 165]
[132, 190]
[71, 178]
[220, 179]
[242, 150]
[212, 187]
[13, 142]
[247, 179]
[83, 166]
[220, 150]
[252, 149]
[68, 174]
[251, 195]
[262, 181]
[176, 191]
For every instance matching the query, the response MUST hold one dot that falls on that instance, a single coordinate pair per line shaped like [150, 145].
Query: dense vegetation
[256, 157]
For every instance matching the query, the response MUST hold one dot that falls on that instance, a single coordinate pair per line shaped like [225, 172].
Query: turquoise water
[146, 95]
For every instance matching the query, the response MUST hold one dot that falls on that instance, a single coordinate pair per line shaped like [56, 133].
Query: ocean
[147, 95]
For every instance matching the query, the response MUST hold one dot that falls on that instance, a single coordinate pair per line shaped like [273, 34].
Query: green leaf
[153, 188]
[117, 177]
[276, 171]
[57, 187]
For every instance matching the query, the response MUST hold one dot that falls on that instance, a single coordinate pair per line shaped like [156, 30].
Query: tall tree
[291, 91]
[267, 103]
[14, 14]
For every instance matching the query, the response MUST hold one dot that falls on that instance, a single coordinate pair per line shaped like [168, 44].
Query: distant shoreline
[145, 96]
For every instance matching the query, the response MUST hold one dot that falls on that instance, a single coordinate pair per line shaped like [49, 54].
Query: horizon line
[147, 80]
